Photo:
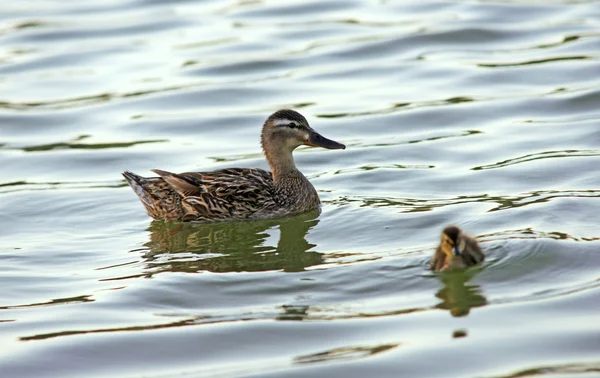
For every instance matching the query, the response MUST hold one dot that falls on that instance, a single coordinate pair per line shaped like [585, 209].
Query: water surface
[483, 114]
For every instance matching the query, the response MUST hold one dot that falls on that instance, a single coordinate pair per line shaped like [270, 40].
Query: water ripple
[409, 205]
[539, 156]
[479, 113]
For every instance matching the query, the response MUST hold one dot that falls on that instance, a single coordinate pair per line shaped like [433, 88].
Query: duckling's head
[452, 242]
[286, 129]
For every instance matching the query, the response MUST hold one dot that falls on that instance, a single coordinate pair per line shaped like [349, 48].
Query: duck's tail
[157, 196]
[137, 183]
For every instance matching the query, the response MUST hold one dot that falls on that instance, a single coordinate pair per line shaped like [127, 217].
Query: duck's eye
[292, 125]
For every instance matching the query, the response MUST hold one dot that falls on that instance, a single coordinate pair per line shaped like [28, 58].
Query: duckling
[239, 193]
[456, 250]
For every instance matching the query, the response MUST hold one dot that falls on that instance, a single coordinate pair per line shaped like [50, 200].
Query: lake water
[484, 114]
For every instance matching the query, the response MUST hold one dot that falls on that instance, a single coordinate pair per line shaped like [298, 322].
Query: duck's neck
[294, 191]
[282, 166]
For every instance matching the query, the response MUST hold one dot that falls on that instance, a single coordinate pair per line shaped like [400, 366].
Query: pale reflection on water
[479, 113]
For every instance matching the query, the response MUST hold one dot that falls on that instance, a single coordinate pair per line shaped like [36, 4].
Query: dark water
[484, 114]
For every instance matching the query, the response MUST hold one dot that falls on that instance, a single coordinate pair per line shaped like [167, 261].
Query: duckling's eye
[292, 125]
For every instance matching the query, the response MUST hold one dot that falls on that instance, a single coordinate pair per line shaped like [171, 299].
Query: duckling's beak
[317, 140]
[451, 250]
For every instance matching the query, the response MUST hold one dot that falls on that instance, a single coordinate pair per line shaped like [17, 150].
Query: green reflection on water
[537, 61]
[85, 100]
[457, 296]
[539, 156]
[372, 167]
[58, 301]
[232, 246]
[23, 186]
[88, 146]
[401, 106]
[30, 24]
[345, 353]
[565, 40]
[554, 370]
[413, 205]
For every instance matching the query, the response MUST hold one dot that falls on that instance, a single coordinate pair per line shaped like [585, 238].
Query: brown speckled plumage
[453, 238]
[239, 193]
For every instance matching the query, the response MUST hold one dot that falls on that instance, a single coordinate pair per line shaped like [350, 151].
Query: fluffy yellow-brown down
[456, 250]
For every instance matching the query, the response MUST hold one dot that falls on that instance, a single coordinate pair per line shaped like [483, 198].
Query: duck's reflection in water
[232, 246]
[457, 295]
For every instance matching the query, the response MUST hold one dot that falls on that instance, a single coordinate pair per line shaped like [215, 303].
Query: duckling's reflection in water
[457, 296]
[232, 246]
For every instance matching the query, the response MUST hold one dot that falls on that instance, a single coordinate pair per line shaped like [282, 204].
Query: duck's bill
[317, 140]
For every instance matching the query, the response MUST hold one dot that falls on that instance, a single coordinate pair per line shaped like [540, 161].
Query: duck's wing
[472, 254]
[234, 193]
[183, 183]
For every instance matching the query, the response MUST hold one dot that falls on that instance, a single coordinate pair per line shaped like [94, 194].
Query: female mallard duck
[239, 193]
[456, 250]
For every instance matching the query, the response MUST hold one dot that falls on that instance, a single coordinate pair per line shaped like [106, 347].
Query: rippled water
[484, 114]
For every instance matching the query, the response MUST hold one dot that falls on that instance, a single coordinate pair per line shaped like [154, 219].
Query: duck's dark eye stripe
[289, 124]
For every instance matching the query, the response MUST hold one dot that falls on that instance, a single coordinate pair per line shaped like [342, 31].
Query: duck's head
[286, 129]
[453, 244]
